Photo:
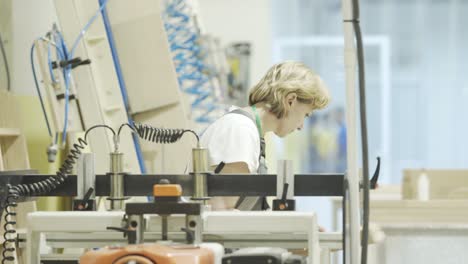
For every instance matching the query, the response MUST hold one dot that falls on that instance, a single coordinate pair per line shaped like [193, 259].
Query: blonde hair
[285, 78]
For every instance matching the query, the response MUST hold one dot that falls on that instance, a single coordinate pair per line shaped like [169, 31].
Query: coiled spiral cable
[34, 189]
[161, 135]
[153, 134]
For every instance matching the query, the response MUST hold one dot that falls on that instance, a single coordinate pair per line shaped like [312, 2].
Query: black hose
[364, 136]
[128, 125]
[5, 60]
[96, 126]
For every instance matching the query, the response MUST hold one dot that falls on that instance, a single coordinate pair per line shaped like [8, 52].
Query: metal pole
[353, 230]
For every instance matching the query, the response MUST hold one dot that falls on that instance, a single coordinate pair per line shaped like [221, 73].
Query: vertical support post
[32, 246]
[164, 224]
[313, 242]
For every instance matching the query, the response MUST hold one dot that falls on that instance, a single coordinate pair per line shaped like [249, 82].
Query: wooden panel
[144, 54]
[9, 132]
[147, 68]
[14, 152]
[413, 211]
[12, 142]
[97, 85]
[443, 184]
[8, 112]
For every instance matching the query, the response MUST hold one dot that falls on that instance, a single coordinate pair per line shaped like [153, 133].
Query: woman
[287, 94]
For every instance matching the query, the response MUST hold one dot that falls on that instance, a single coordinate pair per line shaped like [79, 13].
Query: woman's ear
[290, 98]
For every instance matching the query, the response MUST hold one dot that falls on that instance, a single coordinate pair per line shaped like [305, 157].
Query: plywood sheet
[413, 211]
[12, 142]
[443, 184]
[97, 85]
[144, 54]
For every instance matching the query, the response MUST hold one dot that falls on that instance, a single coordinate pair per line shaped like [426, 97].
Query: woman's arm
[235, 167]
[228, 202]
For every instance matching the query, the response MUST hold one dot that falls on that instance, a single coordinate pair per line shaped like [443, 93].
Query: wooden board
[148, 73]
[12, 143]
[9, 132]
[413, 211]
[97, 84]
[144, 54]
[443, 184]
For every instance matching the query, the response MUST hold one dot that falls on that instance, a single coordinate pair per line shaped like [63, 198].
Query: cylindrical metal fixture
[200, 168]
[194, 224]
[137, 223]
[116, 180]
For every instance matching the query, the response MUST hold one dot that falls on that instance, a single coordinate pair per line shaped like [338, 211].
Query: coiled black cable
[37, 188]
[161, 135]
[23, 190]
[10, 221]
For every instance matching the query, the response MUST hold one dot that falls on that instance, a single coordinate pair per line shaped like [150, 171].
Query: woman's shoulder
[232, 123]
[237, 118]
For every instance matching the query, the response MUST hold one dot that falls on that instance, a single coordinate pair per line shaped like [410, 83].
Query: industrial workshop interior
[232, 132]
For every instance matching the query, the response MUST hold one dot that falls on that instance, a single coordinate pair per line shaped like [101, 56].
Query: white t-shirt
[232, 138]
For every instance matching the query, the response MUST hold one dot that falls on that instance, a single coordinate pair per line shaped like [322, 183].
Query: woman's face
[294, 117]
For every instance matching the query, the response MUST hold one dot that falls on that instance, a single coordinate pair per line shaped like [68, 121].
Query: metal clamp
[285, 187]
[85, 199]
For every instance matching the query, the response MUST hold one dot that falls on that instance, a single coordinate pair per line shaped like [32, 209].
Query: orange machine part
[150, 254]
[135, 258]
[167, 190]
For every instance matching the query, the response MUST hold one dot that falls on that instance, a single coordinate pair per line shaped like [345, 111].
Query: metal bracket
[285, 175]
[86, 177]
